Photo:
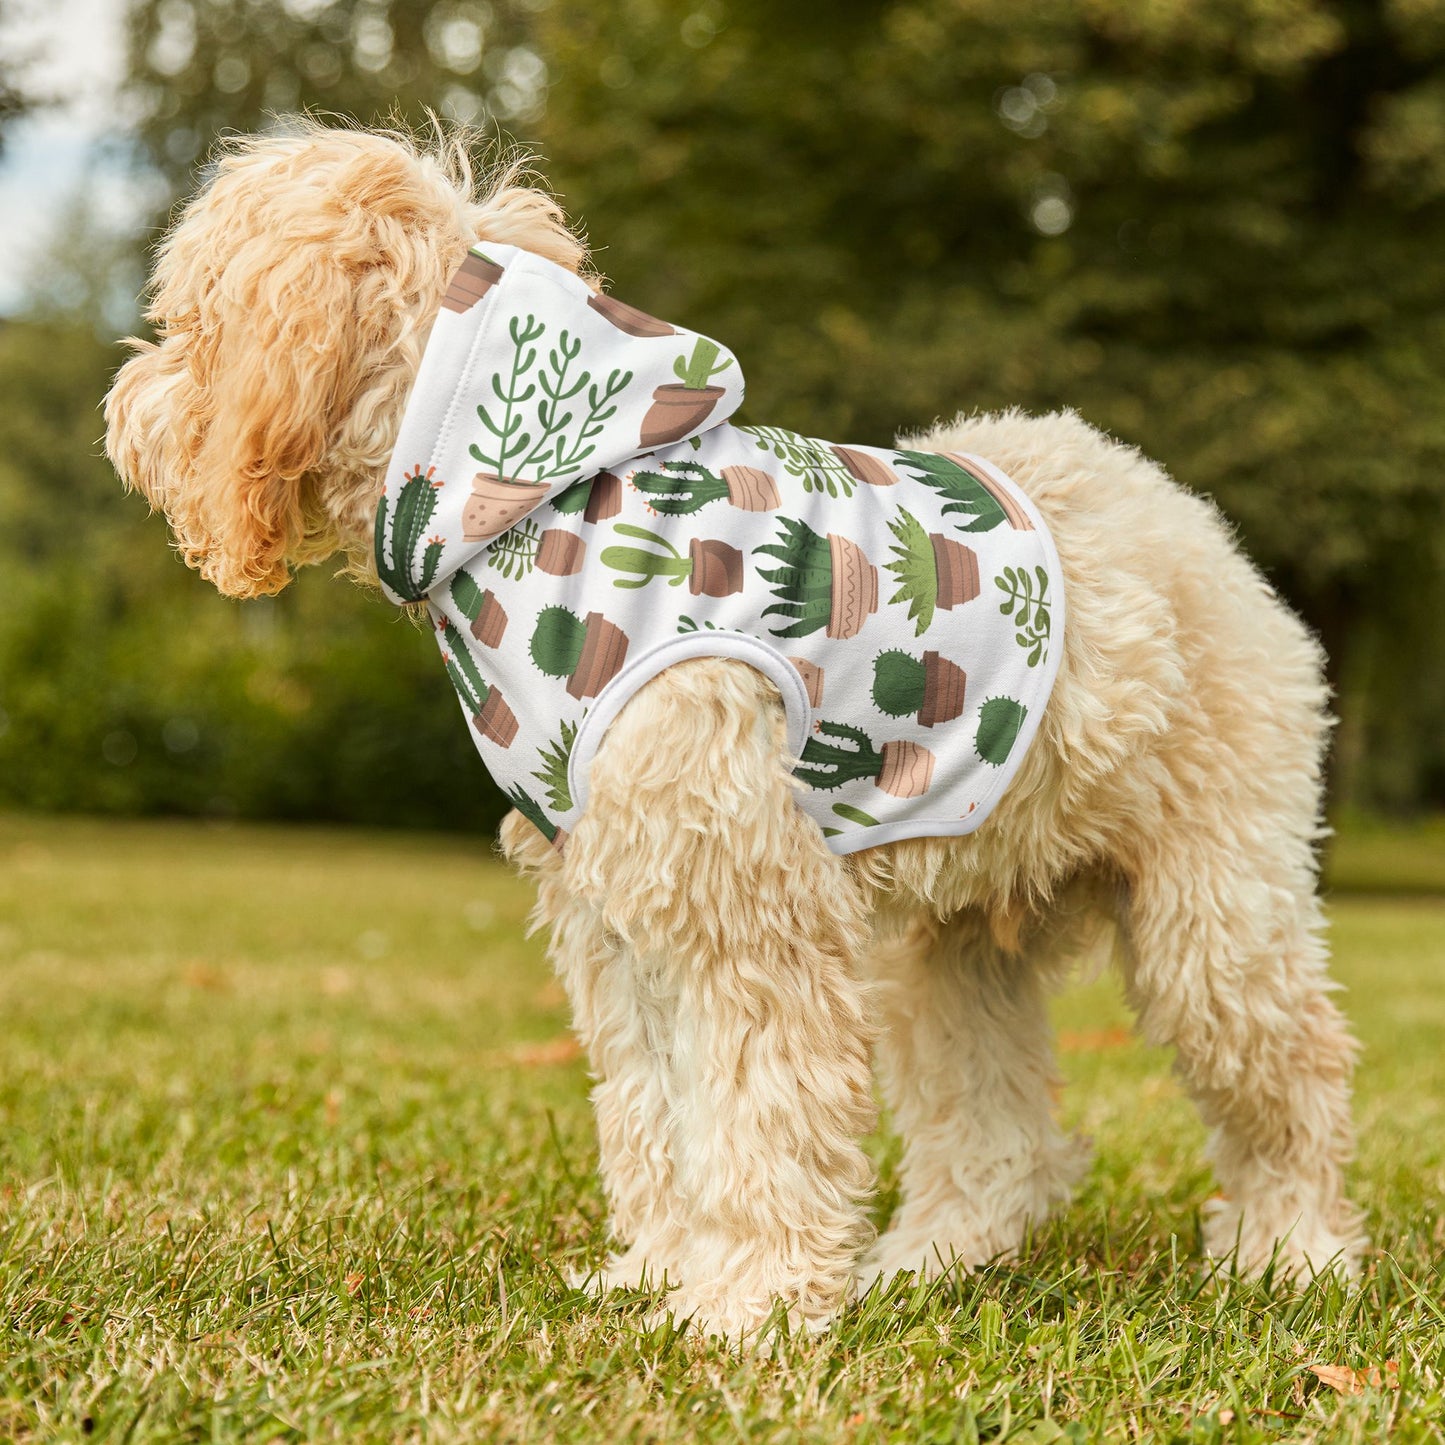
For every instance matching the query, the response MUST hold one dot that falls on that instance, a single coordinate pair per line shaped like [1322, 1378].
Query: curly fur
[729, 976]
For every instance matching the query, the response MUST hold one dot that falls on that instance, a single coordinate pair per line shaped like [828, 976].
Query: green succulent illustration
[415, 504]
[679, 488]
[965, 493]
[514, 553]
[804, 581]
[557, 641]
[574, 499]
[696, 372]
[914, 567]
[852, 815]
[828, 765]
[999, 722]
[467, 680]
[553, 773]
[898, 683]
[535, 438]
[659, 559]
[811, 462]
[533, 812]
[1026, 600]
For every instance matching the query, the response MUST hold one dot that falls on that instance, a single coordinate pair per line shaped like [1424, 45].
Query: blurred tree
[1216, 227]
[15, 98]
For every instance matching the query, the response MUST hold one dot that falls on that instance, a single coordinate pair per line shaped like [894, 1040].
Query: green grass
[289, 1150]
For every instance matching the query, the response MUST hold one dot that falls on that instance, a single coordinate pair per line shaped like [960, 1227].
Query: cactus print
[571, 503]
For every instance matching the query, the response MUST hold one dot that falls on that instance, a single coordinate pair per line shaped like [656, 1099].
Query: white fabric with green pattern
[570, 501]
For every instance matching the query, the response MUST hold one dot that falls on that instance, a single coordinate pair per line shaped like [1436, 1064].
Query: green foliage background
[1215, 228]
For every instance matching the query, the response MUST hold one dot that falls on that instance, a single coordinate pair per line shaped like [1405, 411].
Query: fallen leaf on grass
[554, 1051]
[1096, 1041]
[1346, 1381]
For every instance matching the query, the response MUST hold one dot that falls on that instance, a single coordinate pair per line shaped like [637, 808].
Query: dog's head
[291, 301]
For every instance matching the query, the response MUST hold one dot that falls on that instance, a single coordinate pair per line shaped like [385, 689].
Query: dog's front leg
[742, 931]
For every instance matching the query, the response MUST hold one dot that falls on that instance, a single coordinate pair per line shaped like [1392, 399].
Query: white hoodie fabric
[568, 498]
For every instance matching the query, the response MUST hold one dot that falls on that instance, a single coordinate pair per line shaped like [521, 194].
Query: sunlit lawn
[292, 1146]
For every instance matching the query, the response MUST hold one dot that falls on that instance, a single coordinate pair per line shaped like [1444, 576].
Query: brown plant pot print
[604, 501]
[629, 318]
[495, 505]
[866, 468]
[559, 839]
[560, 554]
[855, 587]
[472, 280]
[491, 621]
[944, 683]
[1018, 519]
[907, 770]
[717, 569]
[751, 489]
[604, 650]
[677, 411]
[957, 568]
[812, 676]
[496, 720]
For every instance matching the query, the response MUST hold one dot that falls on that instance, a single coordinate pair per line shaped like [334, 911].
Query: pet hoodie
[569, 501]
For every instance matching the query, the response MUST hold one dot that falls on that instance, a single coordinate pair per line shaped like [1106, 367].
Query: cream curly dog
[730, 977]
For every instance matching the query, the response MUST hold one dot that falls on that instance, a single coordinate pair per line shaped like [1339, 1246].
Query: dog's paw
[1299, 1245]
[632, 1270]
[753, 1324]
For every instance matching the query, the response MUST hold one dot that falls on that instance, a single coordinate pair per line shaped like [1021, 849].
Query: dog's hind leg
[966, 1059]
[695, 855]
[1225, 961]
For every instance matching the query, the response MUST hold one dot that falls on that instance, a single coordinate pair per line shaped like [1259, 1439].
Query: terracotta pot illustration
[605, 498]
[751, 489]
[603, 653]
[907, 769]
[677, 411]
[496, 720]
[812, 676]
[957, 567]
[495, 505]
[866, 468]
[629, 318]
[943, 690]
[475, 277]
[1018, 519]
[491, 620]
[717, 569]
[559, 839]
[560, 554]
[855, 587]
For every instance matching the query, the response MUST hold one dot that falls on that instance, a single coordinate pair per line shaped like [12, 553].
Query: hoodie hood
[530, 383]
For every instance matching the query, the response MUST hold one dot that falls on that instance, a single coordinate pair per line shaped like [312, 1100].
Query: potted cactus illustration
[677, 410]
[812, 676]
[589, 654]
[534, 813]
[932, 570]
[628, 318]
[930, 688]
[487, 616]
[711, 569]
[396, 548]
[999, 721]
[597, 498]
[903, 768]
[970, 492]
[816, 465]
[866, 467]
[530, 425]
[679, 488]
[490, 714]
[823, 582]
[472, 280]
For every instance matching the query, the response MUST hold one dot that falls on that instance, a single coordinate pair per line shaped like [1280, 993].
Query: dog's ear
[221, 422]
